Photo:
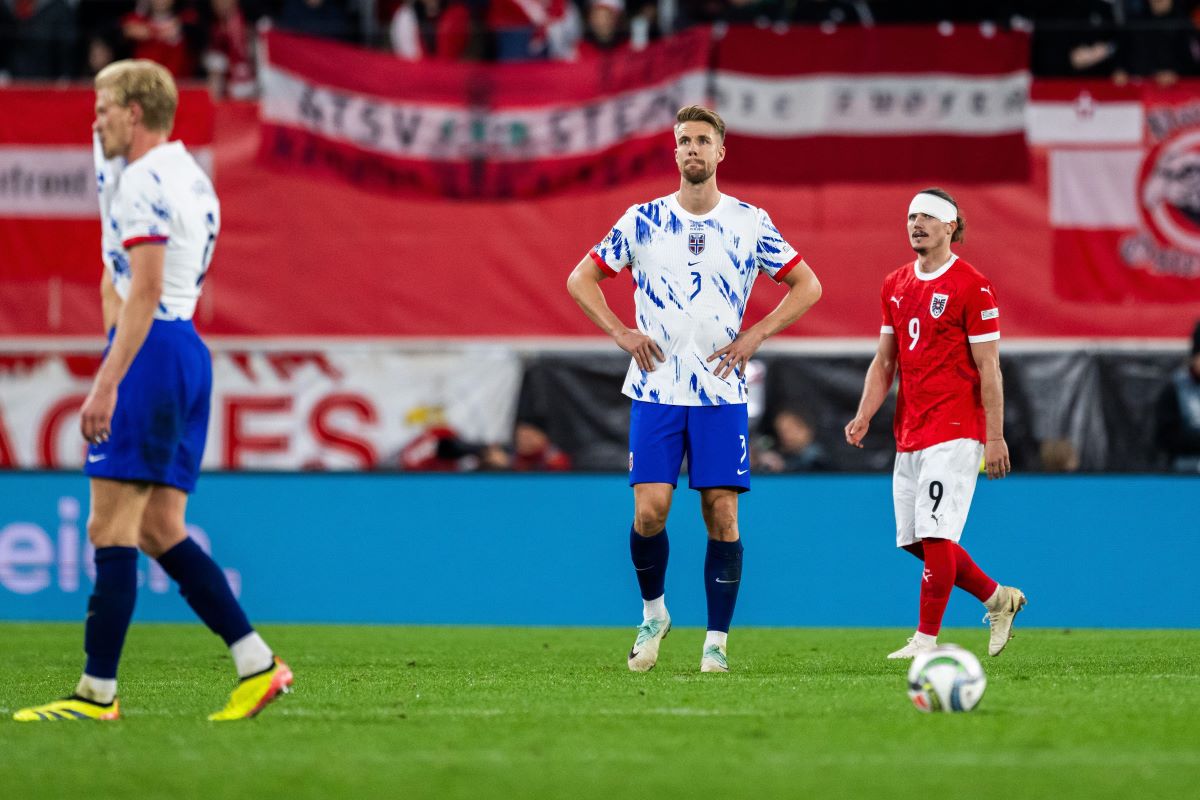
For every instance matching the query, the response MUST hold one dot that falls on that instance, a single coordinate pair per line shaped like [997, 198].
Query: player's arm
[804, 290]
[584, 287]
[110, 302]
[133, 323]
[995, 451]
[876, 387]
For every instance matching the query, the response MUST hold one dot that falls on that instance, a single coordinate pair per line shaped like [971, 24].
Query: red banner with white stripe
[474, 130]
[49, 213]
[874, 104]
[1124, 185]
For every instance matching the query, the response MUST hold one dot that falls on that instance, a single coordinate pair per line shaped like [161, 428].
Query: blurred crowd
[214, 39]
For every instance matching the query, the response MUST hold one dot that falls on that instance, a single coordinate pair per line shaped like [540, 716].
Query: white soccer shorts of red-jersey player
[940, 423]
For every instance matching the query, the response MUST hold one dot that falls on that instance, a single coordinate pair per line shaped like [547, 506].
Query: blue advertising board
[1102, 551]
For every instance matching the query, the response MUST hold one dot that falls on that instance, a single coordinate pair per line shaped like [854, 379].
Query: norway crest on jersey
[696, 243]
[937, 305]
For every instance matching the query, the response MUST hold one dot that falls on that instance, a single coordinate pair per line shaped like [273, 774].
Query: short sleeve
[772, 254]
[615, 252]
[983, 314]
[885, 304]
[142, 213]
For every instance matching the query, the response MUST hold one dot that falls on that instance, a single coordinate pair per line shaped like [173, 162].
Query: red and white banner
[355, 407]
[49, 214]
[1124, 175]
[874, 104]
[472, 130]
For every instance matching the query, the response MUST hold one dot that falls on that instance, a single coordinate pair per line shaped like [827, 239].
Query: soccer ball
[946, 678]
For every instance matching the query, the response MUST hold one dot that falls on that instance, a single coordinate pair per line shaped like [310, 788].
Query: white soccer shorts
[932, 490]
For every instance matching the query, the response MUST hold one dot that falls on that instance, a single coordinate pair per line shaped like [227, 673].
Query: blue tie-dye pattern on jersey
[690, 303]
[120, 264]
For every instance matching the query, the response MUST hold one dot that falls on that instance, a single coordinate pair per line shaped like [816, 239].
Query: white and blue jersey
[693, 275]
[160, 422]
[165, 198]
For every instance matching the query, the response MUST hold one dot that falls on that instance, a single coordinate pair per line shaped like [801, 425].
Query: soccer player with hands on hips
[694, 256]
[941, 332]
[146, 416]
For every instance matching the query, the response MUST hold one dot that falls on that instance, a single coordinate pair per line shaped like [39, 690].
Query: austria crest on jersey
[937, 305]
[696, 243]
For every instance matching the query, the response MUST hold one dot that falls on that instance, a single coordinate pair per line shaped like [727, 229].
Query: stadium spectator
[439, 447]
[686, 378]
[606, 28]
[160, 32]
[1058, 455]
[534, 452]
[530, 30]
[429, 29]
[227, 59]
[1177, 413]
[941, 333]
[795, 448]
[828, 12]
[37, 38]
[1077, 38]
[1159, 42]
[101, 51]
[328, 19]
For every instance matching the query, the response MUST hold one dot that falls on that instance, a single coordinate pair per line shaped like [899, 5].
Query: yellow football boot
[252, 694]
[71, 708]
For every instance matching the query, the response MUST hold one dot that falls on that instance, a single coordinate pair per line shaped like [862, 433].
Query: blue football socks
[202, 584]
[110, 609]
[722, 577]
[650, 560]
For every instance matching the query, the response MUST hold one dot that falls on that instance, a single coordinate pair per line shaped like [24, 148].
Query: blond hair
[146, 83]
[702, 114]
[960, 233]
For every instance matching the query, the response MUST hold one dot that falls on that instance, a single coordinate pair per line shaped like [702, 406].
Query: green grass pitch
[410, 712]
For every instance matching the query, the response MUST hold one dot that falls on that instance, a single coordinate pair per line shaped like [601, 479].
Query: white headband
[934, 206]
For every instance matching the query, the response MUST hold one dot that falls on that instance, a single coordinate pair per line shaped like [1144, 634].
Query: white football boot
[914, 648]
[644, 653]
[1002, 607]
[713, 659]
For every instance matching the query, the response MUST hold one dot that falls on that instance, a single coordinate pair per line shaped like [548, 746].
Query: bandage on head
[934, 206]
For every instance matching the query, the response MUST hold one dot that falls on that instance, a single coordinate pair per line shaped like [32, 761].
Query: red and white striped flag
[874, 104]
[49, 212]
[475, 130]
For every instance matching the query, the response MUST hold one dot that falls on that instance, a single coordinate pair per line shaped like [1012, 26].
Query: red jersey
[935, 318]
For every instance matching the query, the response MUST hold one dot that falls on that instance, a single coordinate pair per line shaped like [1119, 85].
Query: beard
[697, 177]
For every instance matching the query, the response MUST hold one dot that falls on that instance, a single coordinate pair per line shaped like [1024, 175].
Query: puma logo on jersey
[986, 289]
[895, 300]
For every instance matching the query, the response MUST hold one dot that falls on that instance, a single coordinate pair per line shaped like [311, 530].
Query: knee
[649, 519]
[158, 535]
[721, 517]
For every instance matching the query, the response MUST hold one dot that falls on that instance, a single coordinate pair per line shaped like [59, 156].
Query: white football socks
[98, 690]
[655, 609]
[251, 655]
[715, 637]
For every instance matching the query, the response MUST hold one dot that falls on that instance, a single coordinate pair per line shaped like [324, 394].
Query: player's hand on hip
[643, 349]
[734, 356]
[95, 417]
[995, 458]
[856, 429]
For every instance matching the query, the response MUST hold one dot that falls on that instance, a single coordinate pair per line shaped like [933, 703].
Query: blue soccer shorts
[715, 440]
[161, 419]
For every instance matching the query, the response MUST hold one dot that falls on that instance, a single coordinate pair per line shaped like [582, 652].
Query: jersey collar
[679, 209]
[939, 272]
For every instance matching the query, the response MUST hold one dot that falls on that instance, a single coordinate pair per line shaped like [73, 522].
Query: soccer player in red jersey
[941, 331]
